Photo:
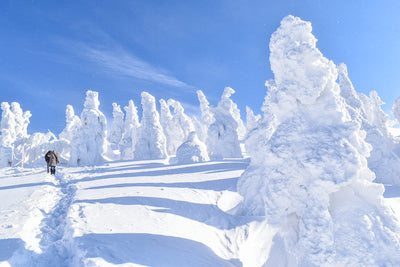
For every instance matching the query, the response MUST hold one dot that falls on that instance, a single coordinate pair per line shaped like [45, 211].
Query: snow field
[134, 213]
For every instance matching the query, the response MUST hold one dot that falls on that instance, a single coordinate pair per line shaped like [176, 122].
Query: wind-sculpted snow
[151, 142]
[367, 111]
[192, 150]
[117, 125]
[130, 134]
[177, 125]
[14, 132]
[91, 143]
[222, 136]
[207, 117]
[309, 175]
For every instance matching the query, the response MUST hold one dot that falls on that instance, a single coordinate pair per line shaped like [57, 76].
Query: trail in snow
[54, 240]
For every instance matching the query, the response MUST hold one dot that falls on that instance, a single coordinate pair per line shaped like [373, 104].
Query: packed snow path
[130, 212]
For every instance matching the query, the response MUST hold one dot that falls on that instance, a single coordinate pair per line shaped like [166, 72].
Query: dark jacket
[51, 158]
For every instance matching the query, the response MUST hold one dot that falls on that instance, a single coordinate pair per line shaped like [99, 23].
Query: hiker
[52, 160]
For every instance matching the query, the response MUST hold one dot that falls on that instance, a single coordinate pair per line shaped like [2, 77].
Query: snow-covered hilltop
[300, 185]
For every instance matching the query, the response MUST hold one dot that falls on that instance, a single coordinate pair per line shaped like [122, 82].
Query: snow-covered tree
[8, 129]
[309, 175]
[251, 119]
[176, 126]
[21, 120]
[73, 125]
[192, 150]
[179, 118]
[130, 134]
[373, 120]
[207, 118]
[151, 143]
[169, 130]
[14, 133]
[92, 142]
[117, 125]
[222, 135]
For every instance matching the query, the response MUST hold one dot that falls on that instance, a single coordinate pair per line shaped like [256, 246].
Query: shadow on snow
[205, 213]
[150, 250]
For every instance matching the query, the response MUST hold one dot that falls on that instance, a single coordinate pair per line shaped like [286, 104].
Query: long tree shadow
[181, 169]
[205, 213]
[150, 250]
[217, 185]
[25, 185]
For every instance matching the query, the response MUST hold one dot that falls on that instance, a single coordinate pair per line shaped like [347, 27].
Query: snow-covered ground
[133, 213]
[128, 212]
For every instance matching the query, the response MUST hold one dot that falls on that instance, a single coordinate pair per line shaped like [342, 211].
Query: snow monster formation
[223, 136]
[309, 176]
[151, 142]
[373, 120]
[91, 139]
[191, 151]
[14, 132]
[130, 133]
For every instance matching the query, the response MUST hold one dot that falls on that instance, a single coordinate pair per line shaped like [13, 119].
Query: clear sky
[51, 52]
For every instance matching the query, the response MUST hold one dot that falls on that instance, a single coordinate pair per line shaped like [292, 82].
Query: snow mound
[191, 151]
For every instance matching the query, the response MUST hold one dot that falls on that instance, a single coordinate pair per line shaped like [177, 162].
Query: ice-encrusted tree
[309, 176]
[21, 120]
[176, 125]
[222, 135]
[191, 151]
[168, 127]
[251, 119]
[180, 118]
[14, 133]
[373, 120]
[92, 141]
[151, 143]
[130, 134]
[180, 123]
[207, 118]
[8, 129]
[117, 126]
[72, 127]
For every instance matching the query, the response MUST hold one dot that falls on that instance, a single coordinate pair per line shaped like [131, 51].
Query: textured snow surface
[137, 213]
[146, 213]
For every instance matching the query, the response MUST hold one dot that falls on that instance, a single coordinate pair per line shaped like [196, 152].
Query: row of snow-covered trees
[88, 139]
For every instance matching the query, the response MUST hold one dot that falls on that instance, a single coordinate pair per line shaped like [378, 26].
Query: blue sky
[51, 52]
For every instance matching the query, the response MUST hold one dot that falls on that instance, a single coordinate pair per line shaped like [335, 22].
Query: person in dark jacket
[52, 160]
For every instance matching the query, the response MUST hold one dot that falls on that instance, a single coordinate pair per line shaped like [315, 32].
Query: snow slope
[134, 213]
[127, 212]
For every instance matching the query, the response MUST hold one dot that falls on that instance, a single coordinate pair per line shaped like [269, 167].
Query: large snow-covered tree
[222, 135]
[309, 175]
[374, 121]
[130, 134]
[117, 126]
[207, 118]
[151, 142]
[91, 143]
